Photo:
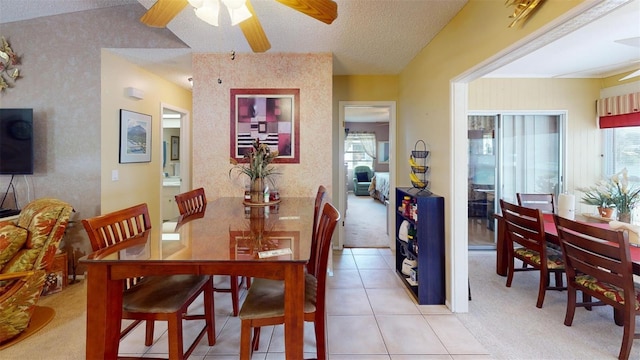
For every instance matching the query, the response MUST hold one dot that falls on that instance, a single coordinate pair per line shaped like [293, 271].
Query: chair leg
[256, 339]
[234, 293]
[628, 333]
[148, 337]
[321, 339]
[174, 328]
[586, 298]
[542, 287]
[571, 306]
[510, 272]
[245, 340]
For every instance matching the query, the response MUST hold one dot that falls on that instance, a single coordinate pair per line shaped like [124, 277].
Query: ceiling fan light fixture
[196, 3]
[239, 15]
[209, 11]
[234, 4]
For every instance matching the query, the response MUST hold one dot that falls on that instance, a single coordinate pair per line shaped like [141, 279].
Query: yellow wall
[139, 182]
[476, 33]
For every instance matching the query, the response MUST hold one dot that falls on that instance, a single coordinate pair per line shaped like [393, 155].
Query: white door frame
[185, 148]
[342, 186]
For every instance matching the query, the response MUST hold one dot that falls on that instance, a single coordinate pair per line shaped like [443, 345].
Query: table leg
[294, 311]
[104, 311]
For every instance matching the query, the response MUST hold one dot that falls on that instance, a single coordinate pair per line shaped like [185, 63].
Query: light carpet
[508, 324]
[365, 223]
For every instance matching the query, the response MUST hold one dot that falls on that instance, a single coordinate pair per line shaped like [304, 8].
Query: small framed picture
[135, 137]
[175, 148]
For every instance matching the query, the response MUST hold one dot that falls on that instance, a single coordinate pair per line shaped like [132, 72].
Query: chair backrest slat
[525, 226]
[542, 202]
[191, 201]
[320, 195]
[326, 226]
[112, 228]
[598, 252]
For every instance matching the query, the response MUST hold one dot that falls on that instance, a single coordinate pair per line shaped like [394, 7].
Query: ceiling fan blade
[253, 32]
[162, 12]
[323, 10]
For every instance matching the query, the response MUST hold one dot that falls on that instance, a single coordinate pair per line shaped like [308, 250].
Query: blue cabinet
[427, 280]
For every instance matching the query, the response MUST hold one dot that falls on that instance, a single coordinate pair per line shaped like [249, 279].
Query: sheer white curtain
[366, 139]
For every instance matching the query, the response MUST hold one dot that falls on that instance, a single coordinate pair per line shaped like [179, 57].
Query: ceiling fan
[163, 11]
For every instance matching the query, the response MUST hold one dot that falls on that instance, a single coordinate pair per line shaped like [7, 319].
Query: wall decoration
[135, 137]
[524, 9]
[270, 115]
[175, 148]
[9, 73]
[383, 152]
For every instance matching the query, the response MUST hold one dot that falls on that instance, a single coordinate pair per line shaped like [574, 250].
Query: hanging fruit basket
[419, 169]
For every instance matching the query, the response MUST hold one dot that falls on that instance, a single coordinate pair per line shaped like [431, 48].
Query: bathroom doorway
[175, 158]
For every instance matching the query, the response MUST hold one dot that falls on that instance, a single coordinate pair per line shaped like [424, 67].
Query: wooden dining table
[551, 235]
[228, 238]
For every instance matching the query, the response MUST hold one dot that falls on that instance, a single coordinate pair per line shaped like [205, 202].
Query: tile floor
[370, 316]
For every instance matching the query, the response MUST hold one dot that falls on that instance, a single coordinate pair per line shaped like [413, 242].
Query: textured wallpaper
[311, 73]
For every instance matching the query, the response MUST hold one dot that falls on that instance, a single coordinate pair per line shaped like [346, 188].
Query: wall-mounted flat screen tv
[16, 141]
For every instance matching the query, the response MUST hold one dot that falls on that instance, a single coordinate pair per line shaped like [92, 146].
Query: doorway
[175, 159]
[510, 153]
[366, 220]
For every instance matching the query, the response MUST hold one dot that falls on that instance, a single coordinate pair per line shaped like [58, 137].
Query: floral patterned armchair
[27, 249]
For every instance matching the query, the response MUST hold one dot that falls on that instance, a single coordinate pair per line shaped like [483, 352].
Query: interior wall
[138, 182]
[477, 32]
[311, 73]
[60, 80]
[576, 96]
[358, 88]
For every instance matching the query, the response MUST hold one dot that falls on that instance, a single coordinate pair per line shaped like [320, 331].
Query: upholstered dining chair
[193, 202]
[598, 263]
[526, 242]
[264, 304]
[153, 298]
[543, 202]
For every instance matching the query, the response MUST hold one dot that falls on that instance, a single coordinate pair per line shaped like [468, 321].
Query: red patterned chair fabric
[27, 249]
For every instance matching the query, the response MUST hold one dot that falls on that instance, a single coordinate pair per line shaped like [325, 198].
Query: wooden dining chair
[544, 202]
[526, 242]
[598, 263]
[153, 298]
[191, 203]
[264, 304]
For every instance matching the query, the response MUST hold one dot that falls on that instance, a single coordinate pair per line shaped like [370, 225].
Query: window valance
[619, 111]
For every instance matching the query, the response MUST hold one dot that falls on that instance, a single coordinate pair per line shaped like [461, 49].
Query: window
[359, 150]
[621, 149]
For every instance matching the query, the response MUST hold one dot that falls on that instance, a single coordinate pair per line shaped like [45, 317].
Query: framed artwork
[383, 152]
[270, 115]
[135, 137]
[175, 148]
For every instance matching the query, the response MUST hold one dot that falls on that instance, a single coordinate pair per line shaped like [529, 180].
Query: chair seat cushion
[610, 291]
[554, 260]
[162, 294]
[265, 298]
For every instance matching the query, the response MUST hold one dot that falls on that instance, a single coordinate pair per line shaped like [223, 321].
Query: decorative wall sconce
[524, 9]
[9, 73]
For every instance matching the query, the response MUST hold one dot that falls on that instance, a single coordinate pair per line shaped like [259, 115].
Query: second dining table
[230, 237]
[551, 235]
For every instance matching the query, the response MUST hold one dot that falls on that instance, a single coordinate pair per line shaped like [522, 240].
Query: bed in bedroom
[379, 188]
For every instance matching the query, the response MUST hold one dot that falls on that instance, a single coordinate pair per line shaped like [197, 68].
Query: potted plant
[257, 167]
[625, 196]
[600, 195]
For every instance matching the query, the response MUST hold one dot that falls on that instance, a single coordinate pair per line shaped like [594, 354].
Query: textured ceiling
[368, 37]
